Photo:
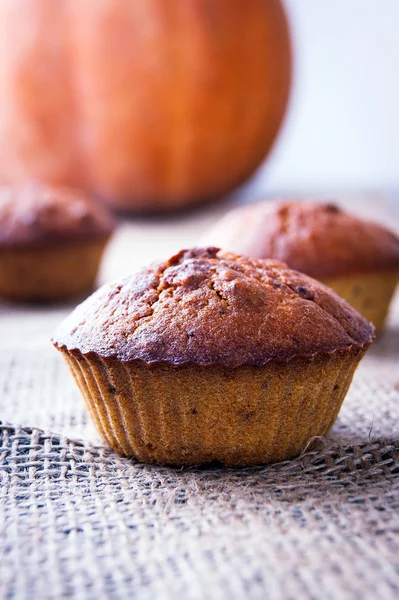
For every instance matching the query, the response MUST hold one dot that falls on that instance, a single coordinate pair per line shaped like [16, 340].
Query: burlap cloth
[78, 521]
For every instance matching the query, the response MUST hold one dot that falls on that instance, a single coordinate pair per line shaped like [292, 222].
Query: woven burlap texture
[78, 521]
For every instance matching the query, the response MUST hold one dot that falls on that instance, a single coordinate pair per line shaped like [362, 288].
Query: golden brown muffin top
[38, 214]
[318, 239]
[202, 308]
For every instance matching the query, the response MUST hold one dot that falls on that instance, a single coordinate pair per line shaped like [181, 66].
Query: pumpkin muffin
[213, 358]
[51, 242]
[359, 259]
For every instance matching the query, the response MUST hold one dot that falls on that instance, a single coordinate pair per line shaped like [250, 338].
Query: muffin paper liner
[370, 294]
[194, 415]
[50, 272]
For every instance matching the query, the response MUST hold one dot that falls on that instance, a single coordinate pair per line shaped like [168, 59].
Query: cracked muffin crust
[51, 242]
[39, 214]
[357, 258]
[203, 308]
[212, 356]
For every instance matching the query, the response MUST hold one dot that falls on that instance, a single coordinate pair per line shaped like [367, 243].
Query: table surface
[78, 521]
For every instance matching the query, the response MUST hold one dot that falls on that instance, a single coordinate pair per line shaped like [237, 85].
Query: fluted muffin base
[370, 293]
[50, 272]
[191, 415]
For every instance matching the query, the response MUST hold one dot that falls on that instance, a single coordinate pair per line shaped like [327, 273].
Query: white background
[341, 133]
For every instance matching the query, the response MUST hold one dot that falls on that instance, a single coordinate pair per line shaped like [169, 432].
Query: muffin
[358, 259]
[213, 358]
[51, 242]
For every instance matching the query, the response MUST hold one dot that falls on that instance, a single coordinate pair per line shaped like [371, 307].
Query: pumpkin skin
[150, 104]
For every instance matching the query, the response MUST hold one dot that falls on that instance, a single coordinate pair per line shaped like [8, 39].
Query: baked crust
[40, 215]
[318, 239]
[205, 308]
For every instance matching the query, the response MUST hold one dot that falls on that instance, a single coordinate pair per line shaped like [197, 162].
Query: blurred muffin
[51, 242]
[208, 358]
[358, 259]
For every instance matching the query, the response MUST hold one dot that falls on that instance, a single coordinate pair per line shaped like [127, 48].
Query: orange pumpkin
[147, 103]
